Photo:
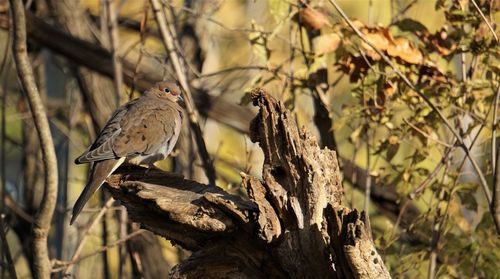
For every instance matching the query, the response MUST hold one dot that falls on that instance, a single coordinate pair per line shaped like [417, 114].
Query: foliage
[456, 67]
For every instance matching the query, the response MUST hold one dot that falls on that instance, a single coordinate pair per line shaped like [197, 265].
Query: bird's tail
[100, 172]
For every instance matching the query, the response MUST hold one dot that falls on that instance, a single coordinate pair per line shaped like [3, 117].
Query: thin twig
[142, 35]
[6, 250]
[495, 204]
[461, 143]
[86, 232]
[427, 135]
[122, 250]
[42, 223]
[62, 265]
[114, 43]
[3, 165]
[168, 41]
[494, 127]
[436, 228]
[486, 20]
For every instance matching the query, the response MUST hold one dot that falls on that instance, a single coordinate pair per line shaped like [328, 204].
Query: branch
[169, 43]
[114, 43]
[42, 222]
[6, 249]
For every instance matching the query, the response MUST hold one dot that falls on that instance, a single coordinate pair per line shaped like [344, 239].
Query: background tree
[408, 102]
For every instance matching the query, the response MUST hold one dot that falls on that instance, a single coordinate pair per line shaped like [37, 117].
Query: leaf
[410, 25]
[312, 19]
[355, 134]
[326, 43]
[441, 41]
[379, 37]
[403, 49]
[392, 150]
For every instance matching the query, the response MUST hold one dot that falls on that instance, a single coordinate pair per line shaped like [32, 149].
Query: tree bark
[292, 225]
[41, 226]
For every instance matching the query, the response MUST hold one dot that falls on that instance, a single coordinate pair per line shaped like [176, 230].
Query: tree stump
[292, 225]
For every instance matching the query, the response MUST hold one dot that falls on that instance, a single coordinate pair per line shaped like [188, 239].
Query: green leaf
[410, 25]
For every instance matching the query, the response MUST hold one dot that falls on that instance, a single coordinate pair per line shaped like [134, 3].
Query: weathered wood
[291, 226]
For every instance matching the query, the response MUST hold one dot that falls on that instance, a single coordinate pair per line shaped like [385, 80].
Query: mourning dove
[141, 131]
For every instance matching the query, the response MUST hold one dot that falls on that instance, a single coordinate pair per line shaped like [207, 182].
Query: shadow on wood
[291, 226]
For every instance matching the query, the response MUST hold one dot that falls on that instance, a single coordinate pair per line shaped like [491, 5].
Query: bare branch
[86, 232]
[114, 43]
[42, 222]
[495, 205]
[6, 249]
[168, 41]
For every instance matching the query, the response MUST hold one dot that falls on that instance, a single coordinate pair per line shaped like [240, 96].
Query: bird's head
[169, 90]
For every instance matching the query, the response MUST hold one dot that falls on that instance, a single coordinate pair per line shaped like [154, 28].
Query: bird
[140, 132]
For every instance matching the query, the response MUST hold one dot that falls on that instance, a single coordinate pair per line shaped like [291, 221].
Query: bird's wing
[102, 148]
[148, 128]
[137, 128]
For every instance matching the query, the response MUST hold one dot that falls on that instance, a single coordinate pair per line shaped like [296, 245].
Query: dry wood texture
[291, 226]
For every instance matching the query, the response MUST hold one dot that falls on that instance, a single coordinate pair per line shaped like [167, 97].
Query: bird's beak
[180, 99]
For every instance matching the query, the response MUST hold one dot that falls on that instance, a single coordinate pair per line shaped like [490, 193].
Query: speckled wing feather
[102, 148]
[137, 128]
[148, 128]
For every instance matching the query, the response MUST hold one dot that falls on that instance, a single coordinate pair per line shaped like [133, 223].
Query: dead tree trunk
[292, 225]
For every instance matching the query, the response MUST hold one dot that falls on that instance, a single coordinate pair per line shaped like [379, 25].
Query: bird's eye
[166, 90]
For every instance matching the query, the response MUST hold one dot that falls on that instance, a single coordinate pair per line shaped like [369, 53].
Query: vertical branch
[6, 250]
[104, 232]
[193, 117]
[122, 249]
[368, 187]
[436, 228]
[143, 26]
[42, 222]
[86, 233]
[495, 206]
[495, 203]
[114, 42]
[494, 127]
[3, 173]
[3, 177]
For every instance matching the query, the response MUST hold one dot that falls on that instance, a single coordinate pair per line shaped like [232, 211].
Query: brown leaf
[379, 37]
[390, 88]
[403, 49]
[434, 73]
[354, 66]
[313, 19]
[439, 41]
[326, 43]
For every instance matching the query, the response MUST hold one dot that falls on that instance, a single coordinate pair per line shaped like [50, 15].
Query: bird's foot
[153, 168]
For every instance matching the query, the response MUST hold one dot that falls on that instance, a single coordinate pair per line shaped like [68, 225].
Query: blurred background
[428, 211]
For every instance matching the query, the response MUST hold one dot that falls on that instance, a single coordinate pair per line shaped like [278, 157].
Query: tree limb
[43, 219]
